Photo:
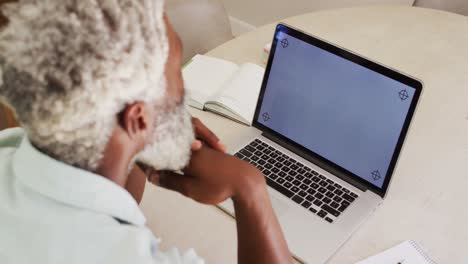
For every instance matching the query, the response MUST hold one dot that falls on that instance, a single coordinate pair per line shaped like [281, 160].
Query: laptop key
[267, 172]
[240, 156]
[293, 173]
[250, 149]
[300, 177]
[316, 179]
[318, 196]
[334, 205]
[307, 169]
[295, 189]
[328, 219]
[329, 194]
[298, 199]
[313, 210]
[304, 187]
[314, 185]
[308, 175]
[296, 182]
[318, 203]
[273, 176]
[282, 174]
[287, 185]
[331, 188]
[345, 190]
[323, 183]
[307, 181]
[246, 153]
[341, 209]
[348, 198]
[330, 181]
[337, 186]
[279, 188]
[337, 199]
[322, 190]
[322, 214]
[330, 210]
[338, 192]
[302, 193]
[326, 200]
[311, 191]
[306, 204]
[322, 177]
[268, 166]
[280, 180]
[345, 203]
[275, 170]
[294, 167]
[289, 178]
[261, 162]
[310, 198]
[285, 169]
[354, 195]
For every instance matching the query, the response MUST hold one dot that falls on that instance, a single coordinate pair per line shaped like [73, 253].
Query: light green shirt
[54, 213]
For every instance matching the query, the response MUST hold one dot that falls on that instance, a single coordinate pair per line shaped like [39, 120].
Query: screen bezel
[311, 40]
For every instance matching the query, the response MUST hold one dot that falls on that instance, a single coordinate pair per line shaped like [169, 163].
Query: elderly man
[97, 88]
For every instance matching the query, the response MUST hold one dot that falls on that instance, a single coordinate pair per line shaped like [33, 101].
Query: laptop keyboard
[303, 185]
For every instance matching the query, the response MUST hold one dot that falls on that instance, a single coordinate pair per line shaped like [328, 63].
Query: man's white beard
[170, 144]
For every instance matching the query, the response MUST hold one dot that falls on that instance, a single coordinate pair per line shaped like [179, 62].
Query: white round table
[428, 197]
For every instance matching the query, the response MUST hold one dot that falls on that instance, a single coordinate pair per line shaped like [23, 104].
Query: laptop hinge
[327, 167]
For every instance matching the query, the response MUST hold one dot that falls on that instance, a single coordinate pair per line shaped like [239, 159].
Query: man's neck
[116, 161]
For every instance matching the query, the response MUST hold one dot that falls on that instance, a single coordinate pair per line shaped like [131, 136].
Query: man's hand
[212, 177]
[205, 136]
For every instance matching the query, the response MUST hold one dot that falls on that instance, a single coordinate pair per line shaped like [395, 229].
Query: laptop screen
[341, 111]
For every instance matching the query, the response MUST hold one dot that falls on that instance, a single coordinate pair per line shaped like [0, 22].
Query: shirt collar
[74, 186]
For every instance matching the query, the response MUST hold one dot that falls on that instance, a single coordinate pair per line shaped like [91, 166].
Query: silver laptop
[327, 132]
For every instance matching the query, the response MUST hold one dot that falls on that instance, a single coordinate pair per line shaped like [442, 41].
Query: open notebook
[408, 252]
[223, 87]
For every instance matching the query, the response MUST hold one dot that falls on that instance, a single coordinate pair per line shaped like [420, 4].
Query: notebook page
[408, 252]
[204, 76]
[240, 95]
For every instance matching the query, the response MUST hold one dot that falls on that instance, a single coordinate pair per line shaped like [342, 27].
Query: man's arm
[259, 235]
[213, 177]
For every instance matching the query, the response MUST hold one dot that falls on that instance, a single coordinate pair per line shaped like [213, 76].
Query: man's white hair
[68, 67]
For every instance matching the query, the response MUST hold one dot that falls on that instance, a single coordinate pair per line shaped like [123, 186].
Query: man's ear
[135, 120]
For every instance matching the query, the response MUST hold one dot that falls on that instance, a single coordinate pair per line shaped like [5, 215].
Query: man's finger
[196, 145]
[176, 182]
[205, 134]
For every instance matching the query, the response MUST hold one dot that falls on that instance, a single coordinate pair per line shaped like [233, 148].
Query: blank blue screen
[346, 113]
